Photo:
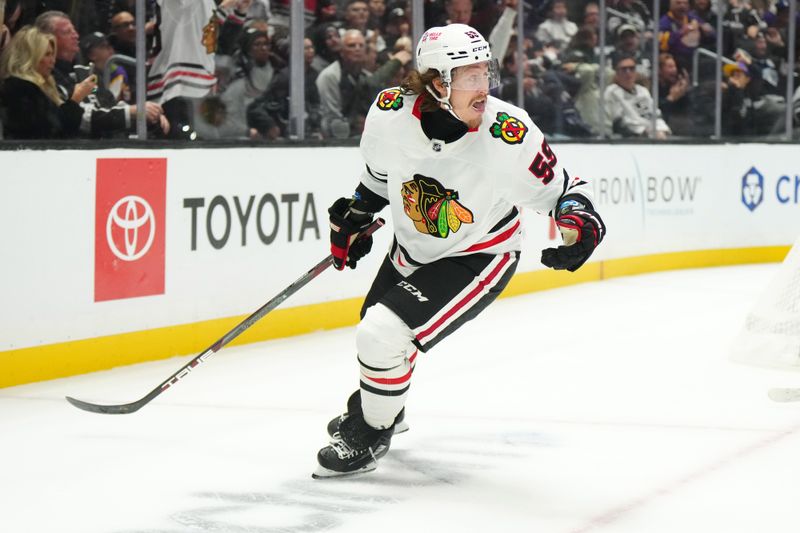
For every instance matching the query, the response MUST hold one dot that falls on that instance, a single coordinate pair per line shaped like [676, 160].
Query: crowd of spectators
[218, 69]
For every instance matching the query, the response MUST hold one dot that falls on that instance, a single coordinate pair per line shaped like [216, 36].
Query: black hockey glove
[346, 225]
[582, 230]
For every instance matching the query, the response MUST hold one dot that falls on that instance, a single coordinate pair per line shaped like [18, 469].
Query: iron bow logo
[390, 99]
[510, 129]
[433, 208]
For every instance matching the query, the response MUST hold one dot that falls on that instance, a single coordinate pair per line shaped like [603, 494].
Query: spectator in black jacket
[258, 66]
[377, 12]
[122, 35]
[83, 14]
[673, 96]
[117, 6]
[397, 25]
[747, 109]
[32, 105]
[346, 89]
[538, 105]
[766, 66]
[327, 45]
[268, 115]
[102, 115]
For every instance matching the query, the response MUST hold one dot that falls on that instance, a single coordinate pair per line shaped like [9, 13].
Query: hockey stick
[779, 394]
[299, 283]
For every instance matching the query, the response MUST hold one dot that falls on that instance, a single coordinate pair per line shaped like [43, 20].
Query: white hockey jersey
[632, 109]
[458, 198]
[185, 64]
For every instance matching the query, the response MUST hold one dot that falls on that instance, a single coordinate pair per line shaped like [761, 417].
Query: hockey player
[454, 165]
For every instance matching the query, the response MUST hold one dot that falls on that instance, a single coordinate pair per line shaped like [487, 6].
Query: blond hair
[416, 83]
[22, 56]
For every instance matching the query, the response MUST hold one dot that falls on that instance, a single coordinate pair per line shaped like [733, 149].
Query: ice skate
[356, 449]
[354, 407]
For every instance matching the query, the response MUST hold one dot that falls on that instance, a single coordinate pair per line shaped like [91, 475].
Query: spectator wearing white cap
[629, 41]
[633, 12]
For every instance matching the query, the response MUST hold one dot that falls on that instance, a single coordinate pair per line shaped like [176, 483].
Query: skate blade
[325, 473]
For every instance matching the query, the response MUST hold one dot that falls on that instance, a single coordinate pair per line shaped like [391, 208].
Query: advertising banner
[130, 219]
[100, 243]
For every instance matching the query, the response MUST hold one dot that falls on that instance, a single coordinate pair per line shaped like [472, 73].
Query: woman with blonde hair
[33, 107]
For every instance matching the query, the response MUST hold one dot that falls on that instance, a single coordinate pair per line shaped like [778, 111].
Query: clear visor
[477, 76]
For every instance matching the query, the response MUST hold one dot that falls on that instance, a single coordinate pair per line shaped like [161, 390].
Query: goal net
[771, 332]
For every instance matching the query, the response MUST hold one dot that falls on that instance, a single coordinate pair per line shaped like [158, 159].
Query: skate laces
[344, 450]
[362, 438]
[336, 435]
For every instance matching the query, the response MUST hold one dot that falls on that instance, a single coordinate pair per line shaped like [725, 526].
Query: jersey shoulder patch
[508, 128]
[390, 100]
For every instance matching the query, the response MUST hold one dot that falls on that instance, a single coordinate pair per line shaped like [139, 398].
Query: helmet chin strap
[445, 101]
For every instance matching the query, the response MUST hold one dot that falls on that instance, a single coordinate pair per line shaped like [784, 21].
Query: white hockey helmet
[444, 48]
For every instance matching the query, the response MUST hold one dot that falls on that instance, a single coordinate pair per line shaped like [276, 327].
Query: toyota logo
[134, 216]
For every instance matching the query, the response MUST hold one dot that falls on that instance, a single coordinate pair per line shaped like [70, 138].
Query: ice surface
[607, 407]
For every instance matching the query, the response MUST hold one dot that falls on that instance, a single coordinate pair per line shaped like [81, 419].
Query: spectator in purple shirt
[681, 32]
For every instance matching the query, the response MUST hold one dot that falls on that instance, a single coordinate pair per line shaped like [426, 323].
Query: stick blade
[780, 394]
[123, 409]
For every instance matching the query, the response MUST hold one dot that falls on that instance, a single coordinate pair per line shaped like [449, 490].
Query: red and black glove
[582, 230]
[347, 223]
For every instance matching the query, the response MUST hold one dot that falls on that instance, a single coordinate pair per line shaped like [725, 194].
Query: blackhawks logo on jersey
[390, 99]
[511, 129]
[434, 209]
[210, 35]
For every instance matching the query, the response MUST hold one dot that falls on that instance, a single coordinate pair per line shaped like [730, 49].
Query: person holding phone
[101, 118]
[33, 107]
[96, 49]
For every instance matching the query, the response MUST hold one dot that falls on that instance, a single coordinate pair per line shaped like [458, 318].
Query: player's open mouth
[479, 106]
